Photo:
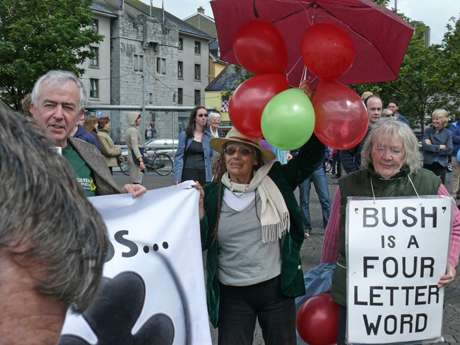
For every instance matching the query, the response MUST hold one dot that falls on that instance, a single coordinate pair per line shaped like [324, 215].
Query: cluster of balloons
[317, 320]
[265, 107]
[341, 118]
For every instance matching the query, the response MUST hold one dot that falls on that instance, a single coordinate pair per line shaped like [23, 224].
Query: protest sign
[153, 287]
[397, 250]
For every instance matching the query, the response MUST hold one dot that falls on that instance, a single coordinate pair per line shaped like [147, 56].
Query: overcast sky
[434, 13]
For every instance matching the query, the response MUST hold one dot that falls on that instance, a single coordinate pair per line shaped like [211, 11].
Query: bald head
[374, 109]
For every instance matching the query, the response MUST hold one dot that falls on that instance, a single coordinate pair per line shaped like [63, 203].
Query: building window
[150, 98]
[161, 65]
[197, 48]
[95, 25]
[197, 71]
[180, 70]
[181, 44]
[94, 88]
[94, 61]
[180, 96]
[197, 97]
[138, 63]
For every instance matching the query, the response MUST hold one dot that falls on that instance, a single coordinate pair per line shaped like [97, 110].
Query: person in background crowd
[52, 241]
[391, 167]
[387, 113]
[108, 148]
[150, 131]
[319, 180]
[81, 133]
[135, 145]
[336, 170]
[193, 155]
[365, 95]
[454, 129]
[397, 115]
[351, 159]
[90, 125]
[251, 226]
[26, 104]
[437, 144]
[214, 123]
[58, 103]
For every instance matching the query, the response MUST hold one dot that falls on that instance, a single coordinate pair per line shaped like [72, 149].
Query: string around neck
[410, 180]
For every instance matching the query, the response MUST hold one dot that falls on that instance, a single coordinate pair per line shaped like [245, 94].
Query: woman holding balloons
[252, 228]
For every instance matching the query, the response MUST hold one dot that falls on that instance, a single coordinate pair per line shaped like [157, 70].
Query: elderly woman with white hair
[252, 227]
[390, 167]
[214, 123]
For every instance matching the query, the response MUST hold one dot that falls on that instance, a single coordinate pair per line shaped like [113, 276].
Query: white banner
[397, 250]
[153, 288]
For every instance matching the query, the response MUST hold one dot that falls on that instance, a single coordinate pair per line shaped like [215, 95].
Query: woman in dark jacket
[252, 228]
[193, 156]
[390, 167]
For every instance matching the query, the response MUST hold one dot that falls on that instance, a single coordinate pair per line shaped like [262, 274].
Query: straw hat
[233, 136]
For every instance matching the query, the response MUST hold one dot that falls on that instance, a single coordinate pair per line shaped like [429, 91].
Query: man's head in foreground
[52, 240]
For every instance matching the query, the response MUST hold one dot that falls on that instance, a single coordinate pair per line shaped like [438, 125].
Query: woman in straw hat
[252, 227]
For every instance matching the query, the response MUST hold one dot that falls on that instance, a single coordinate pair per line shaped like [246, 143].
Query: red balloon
[327, 50]
[341, 118]
[249, 99]
[317, 320]
[259, 47]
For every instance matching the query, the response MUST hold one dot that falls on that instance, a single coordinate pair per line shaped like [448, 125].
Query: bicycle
[157, 162]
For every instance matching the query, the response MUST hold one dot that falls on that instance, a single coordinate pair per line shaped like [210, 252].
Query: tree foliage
[39, 35]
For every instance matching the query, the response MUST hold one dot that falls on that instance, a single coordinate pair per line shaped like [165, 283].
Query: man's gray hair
[44, 217]
[393, 129]
[59, 77]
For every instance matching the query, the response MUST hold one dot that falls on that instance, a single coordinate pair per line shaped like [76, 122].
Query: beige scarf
[274, 212]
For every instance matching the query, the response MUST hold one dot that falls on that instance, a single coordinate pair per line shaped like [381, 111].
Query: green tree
[39, 35]
[382, 2]
[450, 67]
[417, 90]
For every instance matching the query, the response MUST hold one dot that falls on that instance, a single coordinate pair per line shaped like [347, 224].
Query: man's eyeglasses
[201, 115]
[231, 150]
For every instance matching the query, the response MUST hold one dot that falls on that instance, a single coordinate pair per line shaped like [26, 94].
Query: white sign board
[153, 288]
[397, 250]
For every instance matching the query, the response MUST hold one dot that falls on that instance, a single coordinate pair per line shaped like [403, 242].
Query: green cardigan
[287, 177]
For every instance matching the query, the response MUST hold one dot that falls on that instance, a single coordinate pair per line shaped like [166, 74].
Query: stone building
[155, 59]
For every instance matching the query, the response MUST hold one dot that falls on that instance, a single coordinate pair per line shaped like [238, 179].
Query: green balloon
[288, 119]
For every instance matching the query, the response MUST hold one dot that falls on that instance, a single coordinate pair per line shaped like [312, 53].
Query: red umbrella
[380, 37]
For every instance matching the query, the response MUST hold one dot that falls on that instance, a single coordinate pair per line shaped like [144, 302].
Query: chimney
[200, 10]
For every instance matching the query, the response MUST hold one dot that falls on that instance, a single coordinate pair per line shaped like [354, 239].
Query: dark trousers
[438, 170]
[241, 306]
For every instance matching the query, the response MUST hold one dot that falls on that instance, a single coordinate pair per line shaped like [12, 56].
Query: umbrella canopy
[379, 36]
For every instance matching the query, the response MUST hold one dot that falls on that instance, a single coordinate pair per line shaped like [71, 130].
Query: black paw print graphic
[116, 309]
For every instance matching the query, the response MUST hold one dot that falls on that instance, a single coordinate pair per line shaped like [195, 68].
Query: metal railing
[168, 120]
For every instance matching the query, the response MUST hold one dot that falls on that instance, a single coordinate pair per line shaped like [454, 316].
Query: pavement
[311, 252]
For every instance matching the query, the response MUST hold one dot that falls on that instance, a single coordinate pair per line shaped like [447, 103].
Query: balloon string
[293, 66]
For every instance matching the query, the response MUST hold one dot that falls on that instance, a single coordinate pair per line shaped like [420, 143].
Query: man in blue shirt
[397, 115]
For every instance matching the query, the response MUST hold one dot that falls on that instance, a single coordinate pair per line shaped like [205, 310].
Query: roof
[102, 9]
[157, 12]
[211, 19]
[228, 79]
